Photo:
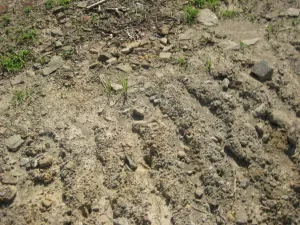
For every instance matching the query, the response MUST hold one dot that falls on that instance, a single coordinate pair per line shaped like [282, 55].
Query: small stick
[95, 4]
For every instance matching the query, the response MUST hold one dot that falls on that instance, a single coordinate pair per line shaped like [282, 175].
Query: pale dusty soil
[194, 157]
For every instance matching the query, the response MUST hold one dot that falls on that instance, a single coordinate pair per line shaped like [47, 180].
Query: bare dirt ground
[124, 114]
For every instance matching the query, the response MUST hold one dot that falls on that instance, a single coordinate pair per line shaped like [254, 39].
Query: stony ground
[124, 114]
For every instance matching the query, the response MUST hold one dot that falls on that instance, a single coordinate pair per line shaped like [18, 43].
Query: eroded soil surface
[124, 114]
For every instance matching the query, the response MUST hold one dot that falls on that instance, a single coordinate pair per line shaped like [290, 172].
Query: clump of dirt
[125, 112]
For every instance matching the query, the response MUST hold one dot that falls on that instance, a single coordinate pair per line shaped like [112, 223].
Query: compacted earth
[163, 112]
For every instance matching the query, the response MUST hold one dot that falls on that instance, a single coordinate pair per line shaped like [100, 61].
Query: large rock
[228, 45]
[7, 194]
[262, 71]
[280, 118]
[207, 18]
[14, 142]
[55, 63]
[293, 12]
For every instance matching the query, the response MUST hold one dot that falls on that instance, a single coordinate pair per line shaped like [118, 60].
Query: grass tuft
[14, 61]
[20, 96]
[190, 14]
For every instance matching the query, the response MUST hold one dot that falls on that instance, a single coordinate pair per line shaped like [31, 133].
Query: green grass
[182, 61]
[228, 14]
[20, 96]
[124, 83]
[253, 18]
[294, 22]
[208, 65]
[28, 36]
[242, 46]
[5, 20]
[212, 4]
[14, 61]
[49, 4]
[190, 13]
[27, 10]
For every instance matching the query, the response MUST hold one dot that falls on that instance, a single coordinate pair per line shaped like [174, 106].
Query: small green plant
[5, 20]
[20, 96]
[28, 35]
[208, 65]
[182, 61]
[67, 54]
[49, 4]
[242, 46]
[64, 3]
[27, 10]
[253, 18]
[14, 61]
[228, 14]
[7, 31]
[269, 30]
[212, 4]
[124, 83]
[190, 14]
[294, 22]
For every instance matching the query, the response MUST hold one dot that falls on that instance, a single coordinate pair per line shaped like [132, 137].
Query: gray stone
[187, 35]
[265, 138]
[116, 87]
[261, 111]
[241, 216]
[47, 203]
[18, 80]
[225, 84]
[120, 221]
[181, 154]
[24, 161]
[7, 194]
[164, 29]
[292, 136]
[199, 192]
[164, 41]
[82, 4]
[280, 118]
[55, 63]
[112, 61]
[124, 67]
[260, 129]
[57, 32]
[130, 163]
[104, 56]
[229, 45]
[262, 71]
[9, 179]
[14, 142]
[138, 113]
[58, 44]
[250, 42]
[207, 18]
[46, 162]
[293, 12]
[165, 55]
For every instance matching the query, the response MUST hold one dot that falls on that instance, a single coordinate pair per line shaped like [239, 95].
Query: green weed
[242, 46]
[190, 14]
[14, 61]
[20, 96]
[212, 4]
[49, 4]
[294, 22]
[29, 35]
[253, 18]
[182, 61]
[28, 10]
[5, 20]
[209, 65]
[228, 14]
[67, 54]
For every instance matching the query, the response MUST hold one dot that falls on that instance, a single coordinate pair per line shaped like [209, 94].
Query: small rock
[116, 87]
[120, 221]
[9, 179]
[112, 61]
[262, 71]
[225, 84]
[46, 162]
[241, 216]
[7, 194]
[47, 203]
[261, 111]
[130, 163]
[164, 29]
[280, 118]
[250, 42]
[207, 18]
[165, 55]
[57, 32]
[293, 12]
[24, 161]
[14, 142]
[18, 80]
[58, 9]
[82, 4]
[55, 63]
[60, 16]
[58, 44]
[260, 129]
[124, 67]
[103, 57]
[164, 41]
[138, 113]
[229, 45]
[181, 154]
[199, 192]
[265, 138]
